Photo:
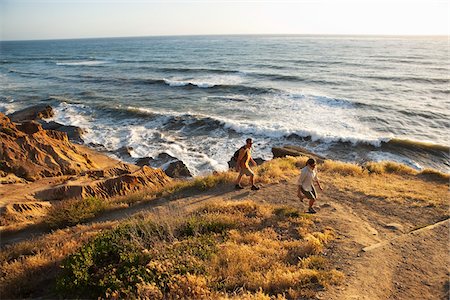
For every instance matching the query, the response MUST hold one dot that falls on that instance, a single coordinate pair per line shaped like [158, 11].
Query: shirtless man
[242, 165]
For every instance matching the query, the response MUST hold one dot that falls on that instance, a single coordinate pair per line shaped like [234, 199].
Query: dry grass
[392, 188]
[222, 250]
[388, 180]
[279, 169]
[384, 180]
[286, 260]
[389, 167]
[28, 268]
[72, 212]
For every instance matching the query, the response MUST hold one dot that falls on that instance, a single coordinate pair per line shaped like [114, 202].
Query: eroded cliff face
[106, 187]
[30, 152]
[38, 167]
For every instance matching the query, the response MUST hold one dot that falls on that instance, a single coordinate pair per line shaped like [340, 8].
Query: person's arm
[253, 162]
[316, 179]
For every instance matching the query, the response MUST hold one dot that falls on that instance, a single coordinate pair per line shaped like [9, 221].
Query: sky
[55, 19]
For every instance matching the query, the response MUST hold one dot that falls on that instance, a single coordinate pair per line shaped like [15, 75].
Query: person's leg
[300, 194]
[313, 198]
[252, 180]
[238, 180]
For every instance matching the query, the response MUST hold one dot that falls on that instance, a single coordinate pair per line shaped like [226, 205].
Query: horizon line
[240, 34]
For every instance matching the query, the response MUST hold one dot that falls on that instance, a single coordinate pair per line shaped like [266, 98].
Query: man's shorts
[246, 171]
[311, 195]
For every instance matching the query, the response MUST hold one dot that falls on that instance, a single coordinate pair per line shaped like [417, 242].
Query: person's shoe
[238, 187]
[255, 188]
[311, 210]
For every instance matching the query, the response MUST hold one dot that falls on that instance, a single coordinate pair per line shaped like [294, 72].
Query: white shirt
[307, 176]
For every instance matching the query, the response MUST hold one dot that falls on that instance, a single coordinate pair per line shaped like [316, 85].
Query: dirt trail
[405, 265]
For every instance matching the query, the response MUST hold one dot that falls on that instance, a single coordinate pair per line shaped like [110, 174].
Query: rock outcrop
[177, 169]
[30, 152]
[36, 112]
[295, 151]
[74, 133]
[20, 212]
[107, 188]
[172, 166]
[123, 152]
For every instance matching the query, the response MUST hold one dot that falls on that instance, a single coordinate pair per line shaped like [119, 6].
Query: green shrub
[72, 212]
[117, 262]
[289, 212]
[198, 225]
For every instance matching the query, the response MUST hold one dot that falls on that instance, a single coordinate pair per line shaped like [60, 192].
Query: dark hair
[311, 161]
[249, 140]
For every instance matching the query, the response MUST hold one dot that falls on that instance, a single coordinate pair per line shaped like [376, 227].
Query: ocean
[351, 98]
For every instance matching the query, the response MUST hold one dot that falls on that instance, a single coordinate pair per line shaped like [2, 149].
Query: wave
[82, 63]
[235, 98]
[198, 124]
[191, 70]
[7, 105]
[195, 123]
[116, 123]
[24, 73]
[418, 145]
[410, 79]
[187, 84]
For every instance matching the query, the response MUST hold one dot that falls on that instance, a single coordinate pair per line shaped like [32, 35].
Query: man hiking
[245, 156]
[305, 184]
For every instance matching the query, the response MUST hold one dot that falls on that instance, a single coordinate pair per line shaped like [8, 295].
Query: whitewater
[198, 98]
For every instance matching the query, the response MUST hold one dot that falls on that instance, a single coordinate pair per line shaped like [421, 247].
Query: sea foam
[82, 63]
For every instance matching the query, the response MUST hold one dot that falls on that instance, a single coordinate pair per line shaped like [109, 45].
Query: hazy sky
[39, 19]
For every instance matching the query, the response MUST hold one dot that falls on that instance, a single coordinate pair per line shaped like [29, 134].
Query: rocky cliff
[30, 152]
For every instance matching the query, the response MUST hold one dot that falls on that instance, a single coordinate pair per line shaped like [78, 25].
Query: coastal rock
[97, 147]
[74, 133]
[29, 127]
[172, 166]
[31, 153]
[144, 161]
[177, 169]
[124, 152]
[162, 161]
[145, 177]
[36, 112]
[295, 151]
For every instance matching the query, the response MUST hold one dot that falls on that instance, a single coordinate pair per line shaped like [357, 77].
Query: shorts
[246, 171]
[311, 195]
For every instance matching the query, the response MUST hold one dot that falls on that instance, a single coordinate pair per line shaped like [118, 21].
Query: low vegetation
[382, 179]
[28, 269]
[219, 251]
[222, 251]
[388, 181]
[72, 212]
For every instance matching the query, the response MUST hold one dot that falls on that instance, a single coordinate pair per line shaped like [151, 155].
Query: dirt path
[407, 264]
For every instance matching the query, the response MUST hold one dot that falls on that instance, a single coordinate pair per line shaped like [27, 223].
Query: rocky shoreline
[48, 161]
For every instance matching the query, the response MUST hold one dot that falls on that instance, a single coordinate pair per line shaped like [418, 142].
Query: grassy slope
[28, 261]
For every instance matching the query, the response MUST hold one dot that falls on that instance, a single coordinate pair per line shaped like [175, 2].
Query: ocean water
[199, 97]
